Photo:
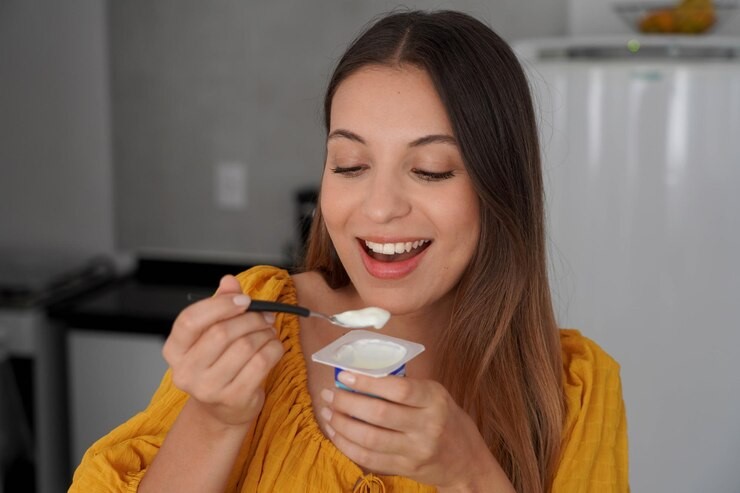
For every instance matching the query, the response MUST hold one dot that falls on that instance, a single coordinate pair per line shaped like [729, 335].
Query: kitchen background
[134, 132]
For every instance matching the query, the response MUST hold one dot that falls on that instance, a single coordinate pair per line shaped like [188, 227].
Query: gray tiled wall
[197, 83]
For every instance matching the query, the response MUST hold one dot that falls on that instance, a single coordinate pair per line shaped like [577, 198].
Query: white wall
[55, 156]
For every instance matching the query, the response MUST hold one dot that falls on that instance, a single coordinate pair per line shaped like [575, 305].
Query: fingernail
[330, 431]
[241, 300]
[346, 378]
[269, 317]
[326, 413]
[327, 395]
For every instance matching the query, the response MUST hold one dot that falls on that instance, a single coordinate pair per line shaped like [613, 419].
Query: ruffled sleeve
[594, 453]
[118, 461]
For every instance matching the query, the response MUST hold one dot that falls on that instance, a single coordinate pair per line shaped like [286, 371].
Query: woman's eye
[430, 176]
[347, 171]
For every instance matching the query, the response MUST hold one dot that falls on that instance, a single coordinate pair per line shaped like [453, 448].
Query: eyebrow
[434, 139]
[421, 141]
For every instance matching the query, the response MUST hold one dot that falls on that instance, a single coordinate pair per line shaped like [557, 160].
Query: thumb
[229, 285]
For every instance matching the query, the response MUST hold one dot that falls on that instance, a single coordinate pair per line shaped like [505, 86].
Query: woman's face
[396, 198]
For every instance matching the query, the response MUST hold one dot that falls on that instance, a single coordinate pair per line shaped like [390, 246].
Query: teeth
[393, 248]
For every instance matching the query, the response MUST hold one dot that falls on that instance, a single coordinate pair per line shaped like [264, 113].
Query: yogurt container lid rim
[326, 356]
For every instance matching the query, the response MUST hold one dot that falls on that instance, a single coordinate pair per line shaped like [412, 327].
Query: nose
[385, 198]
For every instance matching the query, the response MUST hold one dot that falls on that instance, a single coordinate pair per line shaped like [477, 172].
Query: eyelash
[429, 176]
[351, 171]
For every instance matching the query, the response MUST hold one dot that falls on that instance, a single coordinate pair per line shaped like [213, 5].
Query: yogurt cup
[368, 353]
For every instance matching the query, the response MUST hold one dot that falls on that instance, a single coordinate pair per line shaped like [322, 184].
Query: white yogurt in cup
[368, 353]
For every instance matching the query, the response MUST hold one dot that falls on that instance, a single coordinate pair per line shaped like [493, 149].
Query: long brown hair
[502, 360]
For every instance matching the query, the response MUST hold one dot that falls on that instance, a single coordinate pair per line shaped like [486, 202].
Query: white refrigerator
[641, 147]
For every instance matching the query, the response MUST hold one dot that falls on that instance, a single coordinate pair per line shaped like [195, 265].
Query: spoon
[353, 319]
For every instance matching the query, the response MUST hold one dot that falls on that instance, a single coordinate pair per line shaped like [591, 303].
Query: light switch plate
[231, 185]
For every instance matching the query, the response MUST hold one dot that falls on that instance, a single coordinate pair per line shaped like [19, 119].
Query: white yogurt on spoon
[366, 317]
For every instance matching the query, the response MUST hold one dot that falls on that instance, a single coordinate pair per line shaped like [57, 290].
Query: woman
[431, 206]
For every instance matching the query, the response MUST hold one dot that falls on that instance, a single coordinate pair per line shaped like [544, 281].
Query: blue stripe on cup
[398, 372]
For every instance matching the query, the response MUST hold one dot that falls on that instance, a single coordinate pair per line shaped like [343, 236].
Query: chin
[394, 299]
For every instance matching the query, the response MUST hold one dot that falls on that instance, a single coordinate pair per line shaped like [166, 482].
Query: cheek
[333, 209]
[462, 217]
[467, 228]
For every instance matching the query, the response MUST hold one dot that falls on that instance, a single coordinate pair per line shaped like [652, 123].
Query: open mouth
[395, 252]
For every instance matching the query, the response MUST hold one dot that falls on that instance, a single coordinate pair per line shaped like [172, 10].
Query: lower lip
[390, 270]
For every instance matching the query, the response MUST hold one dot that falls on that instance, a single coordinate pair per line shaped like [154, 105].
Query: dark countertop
[146, 301]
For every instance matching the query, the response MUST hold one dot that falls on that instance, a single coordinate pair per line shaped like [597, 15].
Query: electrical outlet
[231, 185]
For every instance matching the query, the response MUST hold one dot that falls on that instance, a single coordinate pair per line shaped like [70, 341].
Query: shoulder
[581, 354]
[591, 376]
[595, 429]
[265, 282]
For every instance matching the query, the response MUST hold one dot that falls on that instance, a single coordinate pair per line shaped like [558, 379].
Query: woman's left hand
[415, 430]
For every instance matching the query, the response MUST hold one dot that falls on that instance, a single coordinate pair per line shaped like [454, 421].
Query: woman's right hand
[220, 354]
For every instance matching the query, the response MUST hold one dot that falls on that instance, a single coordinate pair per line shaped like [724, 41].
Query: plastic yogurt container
[368, 353]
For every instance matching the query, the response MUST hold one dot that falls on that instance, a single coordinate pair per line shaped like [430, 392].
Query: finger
[218, 338]
[377, 412]
[227, 285]
[366, 458]
[226, 368]
[195, 319]
[402, 390]
[367, 436]
[252, 374]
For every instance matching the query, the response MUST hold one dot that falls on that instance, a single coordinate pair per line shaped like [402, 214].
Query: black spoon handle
[265, 306]
[274, 306]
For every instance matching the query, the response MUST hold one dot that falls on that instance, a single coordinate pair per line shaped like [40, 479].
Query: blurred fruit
[689, 17]
[658, 21]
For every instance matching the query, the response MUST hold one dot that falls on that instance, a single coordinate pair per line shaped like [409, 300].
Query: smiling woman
[395, 175]
[431, 207]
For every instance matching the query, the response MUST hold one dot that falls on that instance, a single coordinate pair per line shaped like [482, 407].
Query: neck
[423, 326]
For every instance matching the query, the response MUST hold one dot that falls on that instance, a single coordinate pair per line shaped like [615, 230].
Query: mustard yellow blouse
[288, 453]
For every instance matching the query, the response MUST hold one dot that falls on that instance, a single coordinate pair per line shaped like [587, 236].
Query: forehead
[399, 101]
